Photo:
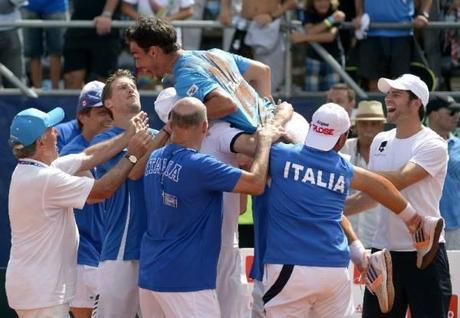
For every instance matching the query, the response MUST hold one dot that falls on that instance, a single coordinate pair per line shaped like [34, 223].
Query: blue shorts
[34, 38]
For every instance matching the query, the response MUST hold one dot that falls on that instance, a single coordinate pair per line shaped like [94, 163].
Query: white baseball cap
[165, 102]
[328, 123]
[406, 82]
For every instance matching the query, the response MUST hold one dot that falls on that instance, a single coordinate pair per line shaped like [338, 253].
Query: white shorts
[59, 311]
[199, 304]
[86, 289]
[232, 287]
[257, 302]
[118, 291]
[311, 292]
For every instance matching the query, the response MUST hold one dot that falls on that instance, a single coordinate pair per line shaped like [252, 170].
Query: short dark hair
[342, 86]
[20, 151]
[148, 32]
[187, 120]
[421, 110]
[107, 90]
[83, 112]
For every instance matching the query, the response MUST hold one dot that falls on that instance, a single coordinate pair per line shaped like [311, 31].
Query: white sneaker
[426, 239]
[380, 279]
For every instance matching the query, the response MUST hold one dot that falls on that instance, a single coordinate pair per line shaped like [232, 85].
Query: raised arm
[112, 180]
[384, 192]
[258, 75]
[101, 152]
[219, 104]
[253, 182]
[159, 141]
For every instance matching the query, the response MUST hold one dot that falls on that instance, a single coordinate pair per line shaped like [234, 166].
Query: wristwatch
[131, 158]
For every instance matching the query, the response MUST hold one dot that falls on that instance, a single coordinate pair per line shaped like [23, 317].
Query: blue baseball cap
[30, 124]
[91, 95]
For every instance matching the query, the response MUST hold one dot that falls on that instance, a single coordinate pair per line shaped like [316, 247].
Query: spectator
[228, 10]
[443, 116]
[320, 22]
[11, 54]
[369, 120]
[91, 52]
[34, 38]
[261, 20]
[451, 42]
[388, 52]
[170, 10]
[342, 95]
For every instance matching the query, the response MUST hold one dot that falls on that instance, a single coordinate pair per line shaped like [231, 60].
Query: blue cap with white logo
[91, 95]
[30, 124]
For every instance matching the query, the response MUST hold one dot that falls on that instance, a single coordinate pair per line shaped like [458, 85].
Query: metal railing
[291, 24]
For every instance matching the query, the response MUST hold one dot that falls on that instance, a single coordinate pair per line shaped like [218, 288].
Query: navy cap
[91, 95]
[439, 101]
[30, 124]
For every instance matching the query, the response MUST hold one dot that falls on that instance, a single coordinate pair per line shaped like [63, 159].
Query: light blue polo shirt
[197, 73]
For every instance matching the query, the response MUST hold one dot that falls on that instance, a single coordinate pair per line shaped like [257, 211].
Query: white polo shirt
[388, 153]
[41, 270]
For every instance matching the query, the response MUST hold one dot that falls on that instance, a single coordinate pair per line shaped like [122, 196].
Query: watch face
[132, 158]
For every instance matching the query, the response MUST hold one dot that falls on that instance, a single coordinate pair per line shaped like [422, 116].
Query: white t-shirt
[217, 144]
[388, 153]
[41, 270]
[364, 223]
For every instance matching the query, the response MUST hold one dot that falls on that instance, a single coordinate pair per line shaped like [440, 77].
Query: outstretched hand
[138, 145]
[138, 123]
[270, 131]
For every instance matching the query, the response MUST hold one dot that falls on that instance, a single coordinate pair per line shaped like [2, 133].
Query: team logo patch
[322, 128]
[192, 90]
[383, 145]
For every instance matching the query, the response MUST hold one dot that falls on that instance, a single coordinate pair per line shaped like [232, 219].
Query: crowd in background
[67, 58]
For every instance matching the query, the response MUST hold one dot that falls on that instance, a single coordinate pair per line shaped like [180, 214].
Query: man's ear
[152, 51]
[108, 104]
[205, 127]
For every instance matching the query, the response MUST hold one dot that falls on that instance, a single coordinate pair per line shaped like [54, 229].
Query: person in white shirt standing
[414, 159]
[41, 272]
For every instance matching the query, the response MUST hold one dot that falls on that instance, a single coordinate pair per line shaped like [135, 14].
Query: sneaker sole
[428, 257]
[390, 286]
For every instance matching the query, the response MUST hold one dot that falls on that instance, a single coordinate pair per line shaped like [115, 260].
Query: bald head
[188, 112]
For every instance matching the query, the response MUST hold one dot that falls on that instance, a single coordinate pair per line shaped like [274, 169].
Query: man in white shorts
[125, 211]
[41, 272]
[178, 264]
[307, 254]
[223, 142]
[92, 118]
